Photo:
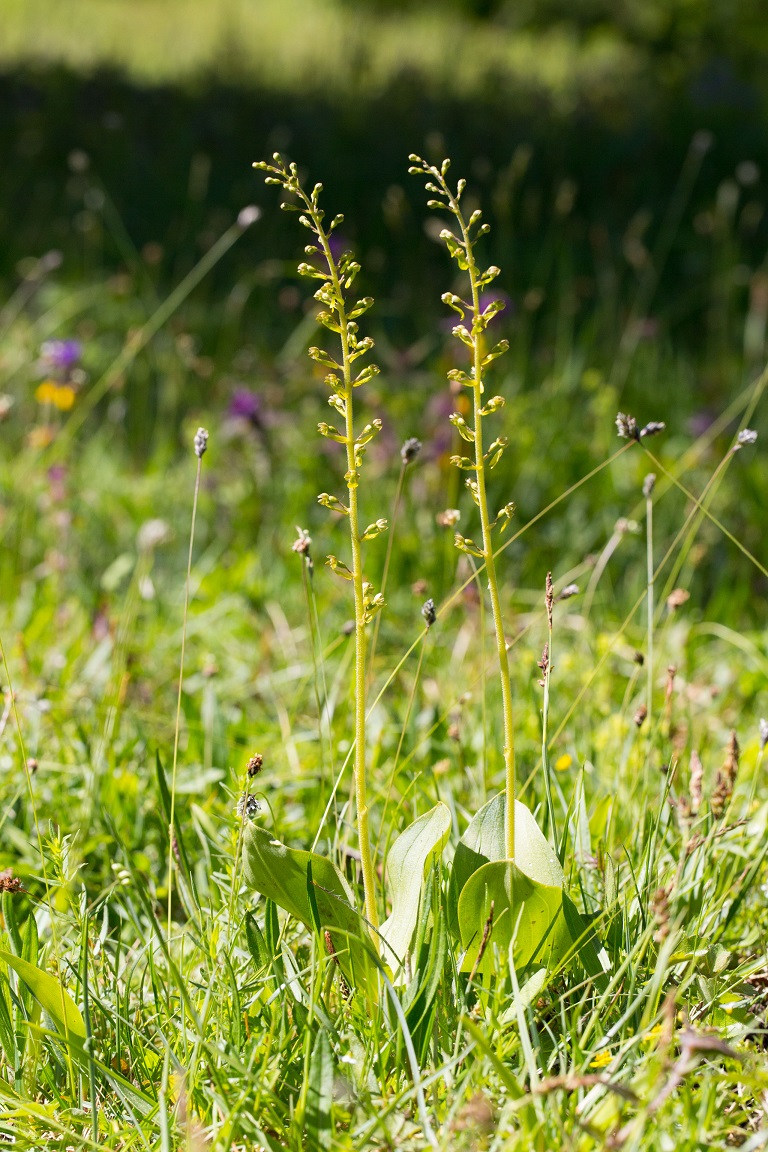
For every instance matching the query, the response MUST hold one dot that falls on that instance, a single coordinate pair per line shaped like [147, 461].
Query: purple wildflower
[246, 405]
[61, 355]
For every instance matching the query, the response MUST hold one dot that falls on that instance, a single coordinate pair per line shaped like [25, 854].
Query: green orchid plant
[506, 899]
[305, 884]
[507, 894]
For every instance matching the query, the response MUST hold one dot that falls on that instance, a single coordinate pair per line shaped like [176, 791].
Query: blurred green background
[618, 149]
[572, 121]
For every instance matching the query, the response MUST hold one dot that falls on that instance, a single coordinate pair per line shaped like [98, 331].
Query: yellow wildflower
[46, 392]
[62, 396]
[602, 1059]
[653, 1035]
[563, 762]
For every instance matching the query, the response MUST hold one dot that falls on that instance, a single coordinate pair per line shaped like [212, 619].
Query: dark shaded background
[175, 160]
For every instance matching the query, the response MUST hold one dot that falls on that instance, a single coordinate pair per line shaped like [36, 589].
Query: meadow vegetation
[556, 48]
[195, 712]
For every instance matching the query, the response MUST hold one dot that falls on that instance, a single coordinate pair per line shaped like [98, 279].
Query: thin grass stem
[649, 607]
[546, 661]
[403, 730]
[387, 559]
[177, 726]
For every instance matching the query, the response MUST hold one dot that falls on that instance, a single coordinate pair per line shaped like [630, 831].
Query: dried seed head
[638, 658]
[549, 597]
[726, 778]
[410, 450]
[677, 598]
[544, 664]
[669, 688]
[763, 734]
[640, 715]
[695, 782]
[649, 484]
[626, 426]
[429, 612]
[255, 764]
[9, 882]
[660, 910]
[201, 443]
[303, 544]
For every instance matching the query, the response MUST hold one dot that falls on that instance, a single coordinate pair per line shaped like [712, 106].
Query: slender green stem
[501, 643]
[361, 801]
[685, 530]
[177, 727]
[341, 320]
[692, 524]
[403, 730]
[706, 512]
[448, 603]
[650, 582]
[319, 672]
[547, 673]
[462, 250]
[388, 558]
[360, 680]
[478, 351]
[483, 689]
[141, 338]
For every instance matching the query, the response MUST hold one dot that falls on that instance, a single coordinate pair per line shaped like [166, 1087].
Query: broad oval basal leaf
[409, 858]
[523, 909]
[484, 842]
[526, 894]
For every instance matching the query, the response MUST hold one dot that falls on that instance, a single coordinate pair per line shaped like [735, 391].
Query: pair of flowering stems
[339, 312]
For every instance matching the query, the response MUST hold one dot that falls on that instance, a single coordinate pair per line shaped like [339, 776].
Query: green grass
[233, 1031]
[286, 45]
